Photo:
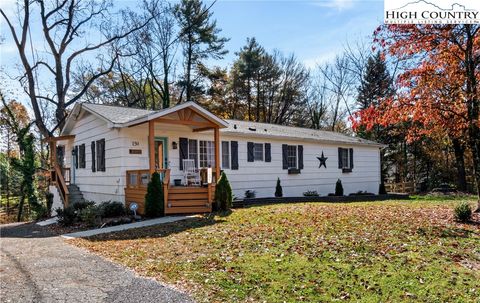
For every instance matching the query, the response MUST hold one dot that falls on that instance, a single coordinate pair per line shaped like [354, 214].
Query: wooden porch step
[186, 190]
[187, 210]
[187, 196]
[186, 203]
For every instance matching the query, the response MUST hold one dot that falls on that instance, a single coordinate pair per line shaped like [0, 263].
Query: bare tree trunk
[459, 152]
[7, 175]
[471, 60]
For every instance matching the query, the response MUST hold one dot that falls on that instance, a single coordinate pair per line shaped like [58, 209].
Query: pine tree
[339, 188]
[248, 66]
[200, 38]
[278, 189]
[376, 83]
[223, 193]
[154, 203]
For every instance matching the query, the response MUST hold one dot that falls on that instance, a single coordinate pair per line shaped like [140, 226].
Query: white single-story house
[109, 152]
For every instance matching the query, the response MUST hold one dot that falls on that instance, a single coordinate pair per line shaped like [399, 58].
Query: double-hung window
[258, 151]
[192, 150]
[292, 156]
[82, 156]
[345, 158]
[207, 152]
[101, 155]
[225, 154]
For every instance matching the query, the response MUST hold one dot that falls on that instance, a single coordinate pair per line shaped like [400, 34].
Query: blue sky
[315, 30]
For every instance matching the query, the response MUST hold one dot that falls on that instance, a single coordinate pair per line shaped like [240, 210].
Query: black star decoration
[323, 161]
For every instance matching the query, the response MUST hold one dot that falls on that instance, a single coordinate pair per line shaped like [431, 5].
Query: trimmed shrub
[111, 209]
[339, 188]
[223, 193]
[278, 189]
[463, 212]
[90, 215]
[49, 203]
[81, 205]
[310, 193]
[67, 216]
[381, 189]
[250, 194]
[154, 204]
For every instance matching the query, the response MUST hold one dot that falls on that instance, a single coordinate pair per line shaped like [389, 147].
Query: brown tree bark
[459, 151]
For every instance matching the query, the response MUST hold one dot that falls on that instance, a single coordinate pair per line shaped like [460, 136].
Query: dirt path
[38, 267]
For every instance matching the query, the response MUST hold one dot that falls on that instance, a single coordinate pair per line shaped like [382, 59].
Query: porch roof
[118, 116]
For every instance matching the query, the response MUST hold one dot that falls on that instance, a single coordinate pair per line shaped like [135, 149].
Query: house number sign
[135, 143]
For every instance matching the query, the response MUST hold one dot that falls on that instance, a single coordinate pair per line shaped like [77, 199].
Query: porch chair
[191, 174]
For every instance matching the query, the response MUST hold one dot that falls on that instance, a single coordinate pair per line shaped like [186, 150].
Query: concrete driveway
[38, 267]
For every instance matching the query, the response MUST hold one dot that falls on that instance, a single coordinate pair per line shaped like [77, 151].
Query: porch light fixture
[174, 145]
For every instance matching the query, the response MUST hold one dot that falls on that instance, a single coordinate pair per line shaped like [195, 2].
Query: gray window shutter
[340, 158]
[300, 157]
[351, 158]
[76, 156]
[268, 152]
[234, 152]
[82, 156]
[101, 155]
[250, 156]
[285, 156]
[183, 150]
[93, 156]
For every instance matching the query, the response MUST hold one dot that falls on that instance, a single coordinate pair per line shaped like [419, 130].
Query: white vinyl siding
[259, 175]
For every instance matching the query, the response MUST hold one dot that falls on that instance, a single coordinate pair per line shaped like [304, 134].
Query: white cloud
[335, 4]
[318, 60]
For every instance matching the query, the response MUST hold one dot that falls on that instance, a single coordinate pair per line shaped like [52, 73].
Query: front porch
[184, 198]
[177, 199]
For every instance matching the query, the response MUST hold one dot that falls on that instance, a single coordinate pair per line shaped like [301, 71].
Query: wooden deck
[178, 199]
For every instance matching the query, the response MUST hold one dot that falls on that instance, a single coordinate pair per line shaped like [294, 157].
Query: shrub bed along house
[88, 214]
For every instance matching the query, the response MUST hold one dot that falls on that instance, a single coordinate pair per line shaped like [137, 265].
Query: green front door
[161, 152]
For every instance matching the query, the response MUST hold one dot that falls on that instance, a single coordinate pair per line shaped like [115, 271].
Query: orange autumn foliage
[430, 88]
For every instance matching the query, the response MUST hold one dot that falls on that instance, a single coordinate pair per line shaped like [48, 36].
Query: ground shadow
[24, 230]
[160, 230]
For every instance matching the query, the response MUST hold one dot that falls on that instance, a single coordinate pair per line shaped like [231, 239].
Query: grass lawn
[388, 251]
